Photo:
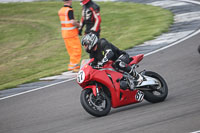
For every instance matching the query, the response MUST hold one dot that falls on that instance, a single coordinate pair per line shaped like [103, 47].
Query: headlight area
[81, 76]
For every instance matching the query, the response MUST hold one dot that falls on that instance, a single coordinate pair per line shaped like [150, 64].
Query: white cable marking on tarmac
[187, 17]
[167, 4]
[167, 38]
[191, 1]
[195, 33]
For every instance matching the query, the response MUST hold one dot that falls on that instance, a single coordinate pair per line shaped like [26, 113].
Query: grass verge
[32, 47]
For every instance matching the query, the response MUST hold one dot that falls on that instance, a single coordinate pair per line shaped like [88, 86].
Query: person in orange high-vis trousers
[70, 35]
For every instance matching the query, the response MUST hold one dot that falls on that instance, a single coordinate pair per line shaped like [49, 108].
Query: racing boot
[131, 80]
[75, 70]
[73, 67]
[131, 84]
[138, 77]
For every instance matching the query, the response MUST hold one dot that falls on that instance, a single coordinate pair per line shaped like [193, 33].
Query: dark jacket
[106, 51]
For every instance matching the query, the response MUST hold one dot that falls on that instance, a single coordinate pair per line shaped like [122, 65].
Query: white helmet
[90, 40]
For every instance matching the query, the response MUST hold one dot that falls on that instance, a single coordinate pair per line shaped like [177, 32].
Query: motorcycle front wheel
[95, 105]
[156, 93]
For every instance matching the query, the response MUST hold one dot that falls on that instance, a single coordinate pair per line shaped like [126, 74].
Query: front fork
[95, 89]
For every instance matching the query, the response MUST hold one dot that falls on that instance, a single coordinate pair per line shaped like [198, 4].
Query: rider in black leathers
[102, 51]
[90, 17]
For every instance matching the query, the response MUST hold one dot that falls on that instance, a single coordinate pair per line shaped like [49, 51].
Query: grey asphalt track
[57, 109]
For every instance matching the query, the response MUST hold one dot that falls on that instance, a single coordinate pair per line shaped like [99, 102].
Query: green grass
[32, 47]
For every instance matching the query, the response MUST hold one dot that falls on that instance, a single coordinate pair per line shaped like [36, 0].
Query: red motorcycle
[105, 87]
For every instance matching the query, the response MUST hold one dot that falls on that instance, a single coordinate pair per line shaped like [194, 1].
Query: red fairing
[93, 87]
[108, 77]
[105, 87]
[136, 59]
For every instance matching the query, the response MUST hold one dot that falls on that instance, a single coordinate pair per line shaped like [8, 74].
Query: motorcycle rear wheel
[96, 106]
[156, 93]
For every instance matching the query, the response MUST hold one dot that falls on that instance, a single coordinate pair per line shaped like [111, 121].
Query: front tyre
[95, 105]
[156, 93]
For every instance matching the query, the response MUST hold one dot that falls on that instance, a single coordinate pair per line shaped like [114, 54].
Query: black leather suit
[91, 18]
[107, 51]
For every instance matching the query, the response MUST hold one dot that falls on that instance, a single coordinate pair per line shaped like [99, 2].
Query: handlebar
[97, 67]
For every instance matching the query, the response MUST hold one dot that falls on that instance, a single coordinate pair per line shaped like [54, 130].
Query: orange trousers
[74, 50]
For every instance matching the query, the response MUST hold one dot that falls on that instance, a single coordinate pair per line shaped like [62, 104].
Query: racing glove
[100, 64]
[80, 32]
[104, 60]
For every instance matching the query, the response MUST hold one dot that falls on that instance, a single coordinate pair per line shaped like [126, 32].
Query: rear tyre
[156, 93]
[96, 106]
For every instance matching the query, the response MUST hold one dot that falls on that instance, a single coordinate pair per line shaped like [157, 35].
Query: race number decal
[80, 76]
[139, 96]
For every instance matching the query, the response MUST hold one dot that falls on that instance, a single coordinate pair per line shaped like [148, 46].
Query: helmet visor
[85, 42]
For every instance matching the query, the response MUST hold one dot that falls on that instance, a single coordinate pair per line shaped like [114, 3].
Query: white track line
[193, 34]
[36, 89]
[195, 132]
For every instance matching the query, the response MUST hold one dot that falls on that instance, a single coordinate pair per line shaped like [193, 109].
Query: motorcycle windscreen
[84, 62]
